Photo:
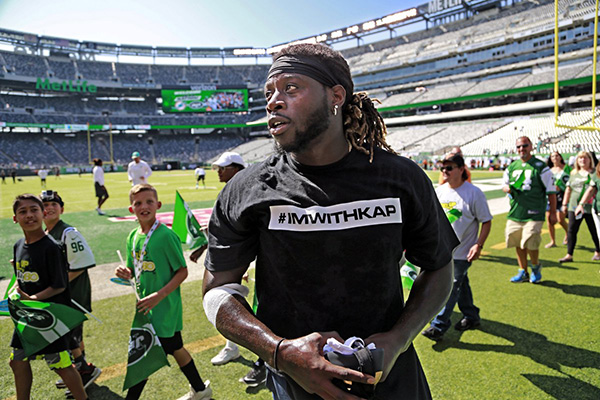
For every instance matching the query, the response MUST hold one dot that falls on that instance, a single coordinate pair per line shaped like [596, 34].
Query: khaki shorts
[525, 235]
[54, 360]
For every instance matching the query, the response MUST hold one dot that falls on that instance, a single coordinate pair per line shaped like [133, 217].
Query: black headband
[304, 66]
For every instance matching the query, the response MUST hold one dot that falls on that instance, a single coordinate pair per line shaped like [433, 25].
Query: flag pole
[131, 282]
[84, 310]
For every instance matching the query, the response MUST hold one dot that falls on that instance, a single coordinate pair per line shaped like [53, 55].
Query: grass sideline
[103, 236]
[535, 341]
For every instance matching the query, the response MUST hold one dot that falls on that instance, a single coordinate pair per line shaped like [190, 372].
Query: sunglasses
[447, 168]
[48, 195]
[523, 145]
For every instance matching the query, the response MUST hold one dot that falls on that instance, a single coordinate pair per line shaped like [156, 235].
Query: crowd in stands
[138, 74]
[34, 150]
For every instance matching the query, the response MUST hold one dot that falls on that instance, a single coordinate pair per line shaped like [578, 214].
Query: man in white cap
[229, 164]
[138, 170]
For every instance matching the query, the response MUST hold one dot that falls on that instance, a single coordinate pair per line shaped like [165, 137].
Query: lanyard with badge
[138, 263]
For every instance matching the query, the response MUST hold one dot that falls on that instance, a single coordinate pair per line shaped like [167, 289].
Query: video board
[217, 100]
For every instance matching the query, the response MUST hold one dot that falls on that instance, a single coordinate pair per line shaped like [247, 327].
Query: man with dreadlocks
[327, 218]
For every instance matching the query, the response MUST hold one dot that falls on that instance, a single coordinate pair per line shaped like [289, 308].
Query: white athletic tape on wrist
[216, 296]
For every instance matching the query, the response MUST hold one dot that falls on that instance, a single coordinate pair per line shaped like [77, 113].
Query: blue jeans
[461, 294]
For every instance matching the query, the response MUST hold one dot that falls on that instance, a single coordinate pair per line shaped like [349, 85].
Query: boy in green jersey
[154, 255]
[528, 181]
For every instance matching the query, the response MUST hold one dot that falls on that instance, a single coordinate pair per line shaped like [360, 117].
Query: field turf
[103, 236]
[535, 341]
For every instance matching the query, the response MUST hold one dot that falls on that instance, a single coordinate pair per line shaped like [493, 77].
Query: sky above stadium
[191, 23]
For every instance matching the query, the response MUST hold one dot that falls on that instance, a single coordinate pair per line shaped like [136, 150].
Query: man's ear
[15, 219]
[131, 209]
[338, 96]
[159, 205]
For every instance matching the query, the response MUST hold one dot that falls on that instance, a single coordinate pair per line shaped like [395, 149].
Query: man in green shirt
[527, 182]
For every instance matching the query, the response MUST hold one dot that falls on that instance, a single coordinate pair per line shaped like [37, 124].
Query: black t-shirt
[328, 241]
[40, 265]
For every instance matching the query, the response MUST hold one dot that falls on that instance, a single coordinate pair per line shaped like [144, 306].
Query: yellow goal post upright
[594, 126]
[89, 144]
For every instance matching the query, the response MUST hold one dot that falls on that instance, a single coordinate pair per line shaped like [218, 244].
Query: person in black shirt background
[41, 272]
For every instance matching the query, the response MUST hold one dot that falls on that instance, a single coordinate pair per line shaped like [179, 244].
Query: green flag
[39, 324]
[145, 355]
[10, 289]
[186, 226]
[408, 274]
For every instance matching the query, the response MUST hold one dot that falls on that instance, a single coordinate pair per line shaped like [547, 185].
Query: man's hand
[302, 359]
[391, 350]
[198, 252]
[474, 253]
[123, 272]
[149, 302]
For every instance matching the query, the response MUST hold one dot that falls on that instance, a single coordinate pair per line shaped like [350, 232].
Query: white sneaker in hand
[225, 355]
[205, 394]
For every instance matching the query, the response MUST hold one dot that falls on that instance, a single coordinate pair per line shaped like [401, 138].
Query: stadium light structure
[594, 126]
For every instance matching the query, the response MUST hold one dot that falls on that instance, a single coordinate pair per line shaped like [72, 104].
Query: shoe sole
[434, 338]
[94, 377]
[253, 384]
[225, 362]
[470, 328]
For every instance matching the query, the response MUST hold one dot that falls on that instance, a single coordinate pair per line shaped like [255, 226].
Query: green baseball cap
[135, 154]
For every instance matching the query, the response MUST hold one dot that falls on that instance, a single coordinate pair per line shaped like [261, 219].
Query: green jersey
[595, 182]
[162, 258]
[79, 258]
[561, 178]
[529, 183]
[578, 182]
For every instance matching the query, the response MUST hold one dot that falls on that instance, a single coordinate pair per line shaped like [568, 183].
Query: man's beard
[316, 125]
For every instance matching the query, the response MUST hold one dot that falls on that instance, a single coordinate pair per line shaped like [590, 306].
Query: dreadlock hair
[363, 125]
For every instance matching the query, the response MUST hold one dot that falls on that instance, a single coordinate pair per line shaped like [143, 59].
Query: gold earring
[335, 108]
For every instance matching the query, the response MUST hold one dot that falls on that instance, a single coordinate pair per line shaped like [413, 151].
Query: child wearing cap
[79, 259]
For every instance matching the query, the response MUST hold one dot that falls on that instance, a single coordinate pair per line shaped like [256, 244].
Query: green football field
[535, 341]
[103, 236]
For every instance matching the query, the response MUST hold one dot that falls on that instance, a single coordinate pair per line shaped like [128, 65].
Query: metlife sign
[439, 5]
[76, 86]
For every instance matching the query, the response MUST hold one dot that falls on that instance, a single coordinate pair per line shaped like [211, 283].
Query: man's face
[524, 148]
[29, 215]
[137, 160]
[451, 172]
[226, 173]
[53, 212]
[297, 109]
[144, 205]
